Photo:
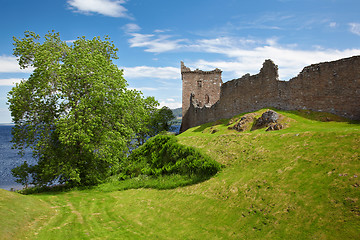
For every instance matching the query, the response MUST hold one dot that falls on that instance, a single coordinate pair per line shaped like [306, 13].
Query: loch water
[9, 158]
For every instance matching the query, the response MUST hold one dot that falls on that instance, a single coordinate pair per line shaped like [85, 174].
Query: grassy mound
[163, 163]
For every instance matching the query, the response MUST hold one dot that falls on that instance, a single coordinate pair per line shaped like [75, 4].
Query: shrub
[163, 155]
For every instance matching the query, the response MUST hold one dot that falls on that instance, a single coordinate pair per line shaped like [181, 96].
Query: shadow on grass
[55, 189]
[203, 127]
[164, 182]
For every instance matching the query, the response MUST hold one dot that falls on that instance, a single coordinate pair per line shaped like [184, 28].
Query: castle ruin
[200, 88]
[332, 87]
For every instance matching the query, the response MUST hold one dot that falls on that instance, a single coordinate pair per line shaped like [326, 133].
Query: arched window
[207, 99]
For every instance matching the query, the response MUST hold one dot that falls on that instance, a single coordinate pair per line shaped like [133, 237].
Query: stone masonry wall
[330, 87]
[201, 88]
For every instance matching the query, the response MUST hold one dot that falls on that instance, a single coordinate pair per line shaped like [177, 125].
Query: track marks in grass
[77, 213]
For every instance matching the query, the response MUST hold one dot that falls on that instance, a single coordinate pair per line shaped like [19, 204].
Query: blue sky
[154, 36]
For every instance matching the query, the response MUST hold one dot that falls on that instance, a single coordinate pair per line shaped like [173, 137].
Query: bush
[163, 155]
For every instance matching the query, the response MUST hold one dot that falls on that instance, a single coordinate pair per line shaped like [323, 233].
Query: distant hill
[177, 112]
[178, 117]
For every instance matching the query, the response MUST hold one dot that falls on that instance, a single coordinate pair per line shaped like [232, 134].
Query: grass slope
[302, 182]
[21, 214]
[298, 183]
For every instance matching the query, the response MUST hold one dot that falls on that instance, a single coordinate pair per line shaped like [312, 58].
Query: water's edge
[9, 158]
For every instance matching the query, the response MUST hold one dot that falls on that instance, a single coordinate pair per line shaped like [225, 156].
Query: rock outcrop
[268, 119]
[244, 123]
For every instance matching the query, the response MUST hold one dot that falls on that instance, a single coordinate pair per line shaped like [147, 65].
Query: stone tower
[202, 88]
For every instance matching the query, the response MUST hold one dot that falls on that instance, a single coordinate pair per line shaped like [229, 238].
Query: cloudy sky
[153, 36]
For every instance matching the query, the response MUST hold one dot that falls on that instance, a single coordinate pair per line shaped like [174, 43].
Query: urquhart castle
[332, 87]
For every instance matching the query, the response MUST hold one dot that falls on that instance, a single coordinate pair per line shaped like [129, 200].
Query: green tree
[156, 121]
[75, 111]
[161, 120]
[21, 173]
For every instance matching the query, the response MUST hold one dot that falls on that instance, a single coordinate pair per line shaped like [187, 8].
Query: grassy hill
[301, 182]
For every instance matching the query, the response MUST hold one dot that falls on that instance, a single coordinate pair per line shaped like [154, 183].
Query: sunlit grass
[302, 182]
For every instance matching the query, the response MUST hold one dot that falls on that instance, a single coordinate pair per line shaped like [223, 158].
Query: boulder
[266, 119]
[243, 123]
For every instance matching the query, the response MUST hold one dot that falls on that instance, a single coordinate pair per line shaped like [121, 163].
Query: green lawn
[302, 182]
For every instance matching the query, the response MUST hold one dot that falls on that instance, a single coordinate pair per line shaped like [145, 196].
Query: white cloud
[355, 28]
[111, 8]
[144, 89]
[155, 43]
[332, 24]
[290, 61]
[131, 27]
[243, 55]
[9, 64]
[170, 104]
[9, 81]
[247, 57]
[161, 30]
[152, 72]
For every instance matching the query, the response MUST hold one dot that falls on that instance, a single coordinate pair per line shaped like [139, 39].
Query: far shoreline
[7, 124]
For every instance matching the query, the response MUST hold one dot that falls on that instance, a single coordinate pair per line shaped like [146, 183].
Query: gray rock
[267, 118]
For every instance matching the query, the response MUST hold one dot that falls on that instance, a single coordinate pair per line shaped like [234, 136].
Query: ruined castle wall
[200, 87]
[249, 92]
[245, 94]
[330, 87]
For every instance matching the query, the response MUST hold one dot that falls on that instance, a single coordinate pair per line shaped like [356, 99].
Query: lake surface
[9, 158]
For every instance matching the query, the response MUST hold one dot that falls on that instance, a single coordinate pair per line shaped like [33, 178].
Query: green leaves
[157, 120]
[162, 155]
[74, 111]
[22, 174]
